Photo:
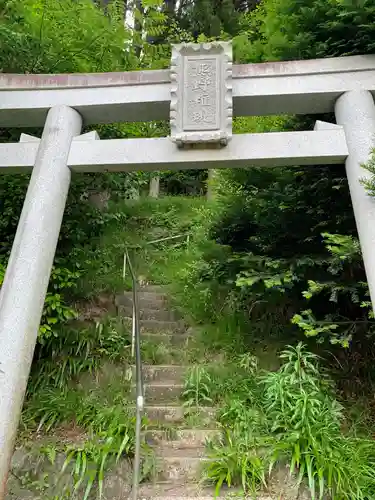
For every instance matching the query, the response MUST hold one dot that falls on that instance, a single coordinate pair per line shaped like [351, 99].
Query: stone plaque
[201, 93]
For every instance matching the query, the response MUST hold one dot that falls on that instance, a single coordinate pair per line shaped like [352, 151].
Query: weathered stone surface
[150, 313]
[176, 413]
[33, 478]
[146, 299]
[180, 439]
[151, 325]
[201, 93]
[163, 373]
[179, 466]
[168, 339]
[161, 393]
[168, 491]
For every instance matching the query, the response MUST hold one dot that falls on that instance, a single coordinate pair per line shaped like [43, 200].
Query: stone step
[167, 339]
[158, 314]
[180, 439]
[168, 452]
[162, 373]
[179, 466]
[154, 289]
[167, 490]
[193, 491]
[154, 326]
[158, 414]
[160, 393]
[146, 299]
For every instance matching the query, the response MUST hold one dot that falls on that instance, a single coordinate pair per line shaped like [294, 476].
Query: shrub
[295, 420]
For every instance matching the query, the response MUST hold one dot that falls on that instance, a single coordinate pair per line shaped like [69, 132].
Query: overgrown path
[176, 433]
[181, 416]
[205, 381]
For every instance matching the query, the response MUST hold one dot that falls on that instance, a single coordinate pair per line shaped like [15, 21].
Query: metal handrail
[187, 235]
[160, 240]
[136, 354]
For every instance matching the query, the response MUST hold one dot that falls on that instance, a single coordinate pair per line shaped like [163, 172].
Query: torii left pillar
[28, 272]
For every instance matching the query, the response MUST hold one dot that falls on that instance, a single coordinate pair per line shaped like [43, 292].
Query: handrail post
[133, 328]
[124, 268]
[136, 353]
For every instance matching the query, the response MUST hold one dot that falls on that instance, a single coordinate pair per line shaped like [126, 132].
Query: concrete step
[193, 491]
[146, 299]
[158, 314]
[173, 491]
[167, 339]
[158, 414]
[180, 466]
[180, 439]
[160, 393]
[154, 326]
[168, 453]
[162, 373]
[154, 289]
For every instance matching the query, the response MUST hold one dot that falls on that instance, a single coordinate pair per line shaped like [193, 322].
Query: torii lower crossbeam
[317, 147]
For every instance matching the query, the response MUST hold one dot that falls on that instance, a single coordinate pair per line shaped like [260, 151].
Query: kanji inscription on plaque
[201, 95]
[201, 111]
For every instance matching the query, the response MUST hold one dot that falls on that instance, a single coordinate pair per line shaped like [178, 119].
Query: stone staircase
[179, 449]
[178, 441]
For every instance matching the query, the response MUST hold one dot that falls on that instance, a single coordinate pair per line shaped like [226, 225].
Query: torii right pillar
[355, 111]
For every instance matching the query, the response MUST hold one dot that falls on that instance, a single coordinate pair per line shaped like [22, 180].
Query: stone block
[201, 94]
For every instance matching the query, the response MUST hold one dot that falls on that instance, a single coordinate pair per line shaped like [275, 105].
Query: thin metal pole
[124, 268]
[136, 353]
[137, 451]
[355, 111]
[133, 332]
[139, 391]
[26, 279]
[167, 238]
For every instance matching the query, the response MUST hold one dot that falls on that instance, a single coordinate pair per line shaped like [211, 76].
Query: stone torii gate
[200, 93]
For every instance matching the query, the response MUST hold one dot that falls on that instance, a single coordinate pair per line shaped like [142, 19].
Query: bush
[295, 419]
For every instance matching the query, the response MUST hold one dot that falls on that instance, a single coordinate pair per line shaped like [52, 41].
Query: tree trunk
[138, 15]
[154, 187]
[210, 194]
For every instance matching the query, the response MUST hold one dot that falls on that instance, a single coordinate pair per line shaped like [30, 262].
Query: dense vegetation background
[274, 259]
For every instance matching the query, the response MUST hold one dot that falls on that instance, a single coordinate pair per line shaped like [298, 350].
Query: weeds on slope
[290, 417]
[77, 405]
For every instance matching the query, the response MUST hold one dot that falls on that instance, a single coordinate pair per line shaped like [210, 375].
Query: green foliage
[197, 387]
[113, 440]
[235, 462]
[106, 436]
[294, 418]
[288, 243]
[184, 182]
[2, 273]
[82, 387]
[136, 224]
[40, 36]
[63, 358]
[369, 176]
[345, 260]
[310, 29]
[56, 311]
